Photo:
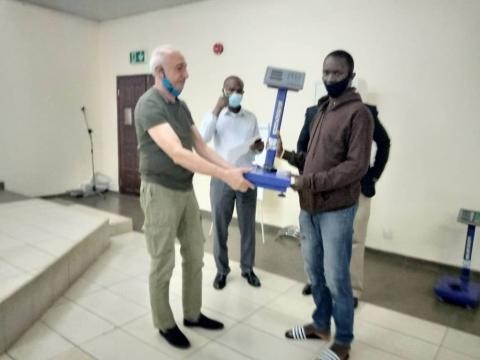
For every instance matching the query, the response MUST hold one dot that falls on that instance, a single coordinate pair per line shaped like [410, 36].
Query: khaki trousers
[360, 225]
[171, 214]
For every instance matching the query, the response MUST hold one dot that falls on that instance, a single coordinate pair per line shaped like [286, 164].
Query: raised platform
[44, 248]
[117, 224]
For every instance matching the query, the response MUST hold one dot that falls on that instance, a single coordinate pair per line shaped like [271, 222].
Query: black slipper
[175, 338]
[204, 322]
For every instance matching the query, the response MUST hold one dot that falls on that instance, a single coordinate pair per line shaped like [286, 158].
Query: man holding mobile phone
[237, 139]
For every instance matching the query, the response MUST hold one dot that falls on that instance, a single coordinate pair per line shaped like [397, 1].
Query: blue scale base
[273, 180]
[454, 290]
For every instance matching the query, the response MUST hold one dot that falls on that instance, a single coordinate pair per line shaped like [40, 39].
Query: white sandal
[328, 354]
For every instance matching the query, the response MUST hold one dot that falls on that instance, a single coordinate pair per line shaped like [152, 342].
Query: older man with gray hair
[171, 150]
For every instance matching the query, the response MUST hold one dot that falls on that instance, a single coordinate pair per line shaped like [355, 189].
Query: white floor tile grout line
[115, 328]
[187, 355]
[373, 346]
[284, 292]
[437, 353]
[261, 307]
[63, 337]
[230, 348]
[266, 307]
[105, 319]
[138, 339]
[406, 334]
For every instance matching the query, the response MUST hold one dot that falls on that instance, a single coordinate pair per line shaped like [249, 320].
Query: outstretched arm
[168, 141]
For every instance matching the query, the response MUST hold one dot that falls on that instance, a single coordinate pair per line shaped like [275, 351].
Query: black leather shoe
[307, 289]
[175, 338]
[204, 322]
[220, 281]
[355, 302]
[252, 278]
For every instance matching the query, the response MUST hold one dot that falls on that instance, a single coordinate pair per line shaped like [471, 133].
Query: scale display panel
[469, 217]
[284, 79]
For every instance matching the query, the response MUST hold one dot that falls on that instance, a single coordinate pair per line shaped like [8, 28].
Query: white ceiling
[101, 10]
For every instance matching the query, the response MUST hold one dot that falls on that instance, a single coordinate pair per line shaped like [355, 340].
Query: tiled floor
[106, 315]
[394, 282]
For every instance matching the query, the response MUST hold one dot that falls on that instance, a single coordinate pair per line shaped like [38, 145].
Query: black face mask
[336, 89]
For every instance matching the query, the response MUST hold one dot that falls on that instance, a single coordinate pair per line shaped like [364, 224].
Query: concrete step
[44, 248]
[118, 224]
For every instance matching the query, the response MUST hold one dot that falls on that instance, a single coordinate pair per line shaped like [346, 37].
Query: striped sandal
[305, 332]
[335, 352]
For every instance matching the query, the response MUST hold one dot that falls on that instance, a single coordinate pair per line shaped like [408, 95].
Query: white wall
[420, 62]
[48, 71]
[419, 59]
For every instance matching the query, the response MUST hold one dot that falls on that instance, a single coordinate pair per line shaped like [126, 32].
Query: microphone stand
[94, 191]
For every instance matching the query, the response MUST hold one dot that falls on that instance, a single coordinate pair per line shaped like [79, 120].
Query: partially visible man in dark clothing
[337, 158]
[380, 138]
[382, 142]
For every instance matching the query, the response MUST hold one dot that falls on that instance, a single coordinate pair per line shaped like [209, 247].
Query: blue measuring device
[461, 290]
[267, 176]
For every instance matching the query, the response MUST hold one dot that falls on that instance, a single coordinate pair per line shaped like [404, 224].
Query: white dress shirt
[232, 134]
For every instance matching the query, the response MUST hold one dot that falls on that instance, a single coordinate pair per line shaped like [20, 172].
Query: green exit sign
[137, 57]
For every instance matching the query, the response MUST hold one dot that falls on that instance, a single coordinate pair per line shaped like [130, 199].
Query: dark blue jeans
[327, 249]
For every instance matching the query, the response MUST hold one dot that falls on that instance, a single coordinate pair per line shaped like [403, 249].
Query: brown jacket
[338, 154]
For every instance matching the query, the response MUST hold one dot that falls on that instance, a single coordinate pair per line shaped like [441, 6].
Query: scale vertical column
[275, 128]
[467, 255]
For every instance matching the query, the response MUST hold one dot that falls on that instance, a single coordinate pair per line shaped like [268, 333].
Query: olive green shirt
[155, 165]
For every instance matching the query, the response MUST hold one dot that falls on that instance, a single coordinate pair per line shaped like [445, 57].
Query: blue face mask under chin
[168, 85]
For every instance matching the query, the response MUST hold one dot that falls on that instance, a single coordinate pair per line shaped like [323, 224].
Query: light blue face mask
[234, 100]
[168, 85]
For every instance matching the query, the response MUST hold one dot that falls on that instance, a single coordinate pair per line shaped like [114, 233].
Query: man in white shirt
[237, 139]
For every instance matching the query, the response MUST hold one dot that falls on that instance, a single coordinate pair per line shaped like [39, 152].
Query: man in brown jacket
[337, 158]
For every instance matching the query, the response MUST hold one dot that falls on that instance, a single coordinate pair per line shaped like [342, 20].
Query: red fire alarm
[218, 48]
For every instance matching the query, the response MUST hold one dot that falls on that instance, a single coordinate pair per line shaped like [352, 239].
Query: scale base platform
[272, 180]
[457, 291]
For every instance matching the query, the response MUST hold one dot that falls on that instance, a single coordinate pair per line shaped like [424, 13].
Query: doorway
[129, 90]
